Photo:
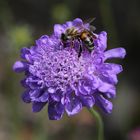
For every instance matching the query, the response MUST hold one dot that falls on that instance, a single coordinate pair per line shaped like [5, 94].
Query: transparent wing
[92, 28]
[90, 20]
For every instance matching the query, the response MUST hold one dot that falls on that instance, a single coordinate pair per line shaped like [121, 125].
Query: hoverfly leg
[72, 44]
[65, 44]
[80, 51]
[80, 48]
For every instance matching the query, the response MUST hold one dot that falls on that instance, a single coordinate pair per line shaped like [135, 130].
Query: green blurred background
[24, 21]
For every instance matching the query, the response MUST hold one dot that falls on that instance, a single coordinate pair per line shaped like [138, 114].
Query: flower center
[59, 69]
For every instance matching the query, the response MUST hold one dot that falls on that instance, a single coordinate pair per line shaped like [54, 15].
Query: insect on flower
[81, 34]
[68, 79]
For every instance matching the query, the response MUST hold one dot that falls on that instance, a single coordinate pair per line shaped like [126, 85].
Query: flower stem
[99, 123]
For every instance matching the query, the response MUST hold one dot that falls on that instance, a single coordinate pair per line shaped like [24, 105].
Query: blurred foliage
[20, 36]
[60, 13]
[22, 22]
[5, 14]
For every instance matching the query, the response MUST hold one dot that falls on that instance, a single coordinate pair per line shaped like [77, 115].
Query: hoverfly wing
[92, 28]
[89, 20]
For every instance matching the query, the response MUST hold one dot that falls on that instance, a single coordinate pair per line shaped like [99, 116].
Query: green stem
[99, 123]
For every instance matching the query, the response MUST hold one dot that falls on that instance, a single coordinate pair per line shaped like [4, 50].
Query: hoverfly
[83, 35]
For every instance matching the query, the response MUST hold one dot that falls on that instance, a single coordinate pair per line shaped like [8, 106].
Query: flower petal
[101, 42]
[42, 41]
[109, 78]
[108, 89]
[34, 82]
[112, 68]
[77, 22]
[73, 106]
[104, 104]
[87, 101]
[44, 97]
[37, 106]
[34, 94]
[69, 24]
[115, 53]
[24, 51]
[55, 96]
[26, 54]
[55, 110]
[26, 97]
[20, 66]
[23, 83]
[58, 30]
[84, 87]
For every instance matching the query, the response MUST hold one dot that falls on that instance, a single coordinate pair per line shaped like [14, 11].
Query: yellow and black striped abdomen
[72, 31]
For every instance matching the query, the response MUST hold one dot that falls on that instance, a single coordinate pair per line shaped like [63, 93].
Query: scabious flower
[56, 76]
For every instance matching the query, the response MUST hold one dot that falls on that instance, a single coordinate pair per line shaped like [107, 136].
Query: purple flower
[56, 76]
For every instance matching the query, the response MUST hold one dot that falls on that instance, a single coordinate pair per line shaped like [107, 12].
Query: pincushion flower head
[66, 75]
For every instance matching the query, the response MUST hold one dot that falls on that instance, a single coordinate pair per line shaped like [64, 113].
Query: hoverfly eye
[63, 37]
[88, 35]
